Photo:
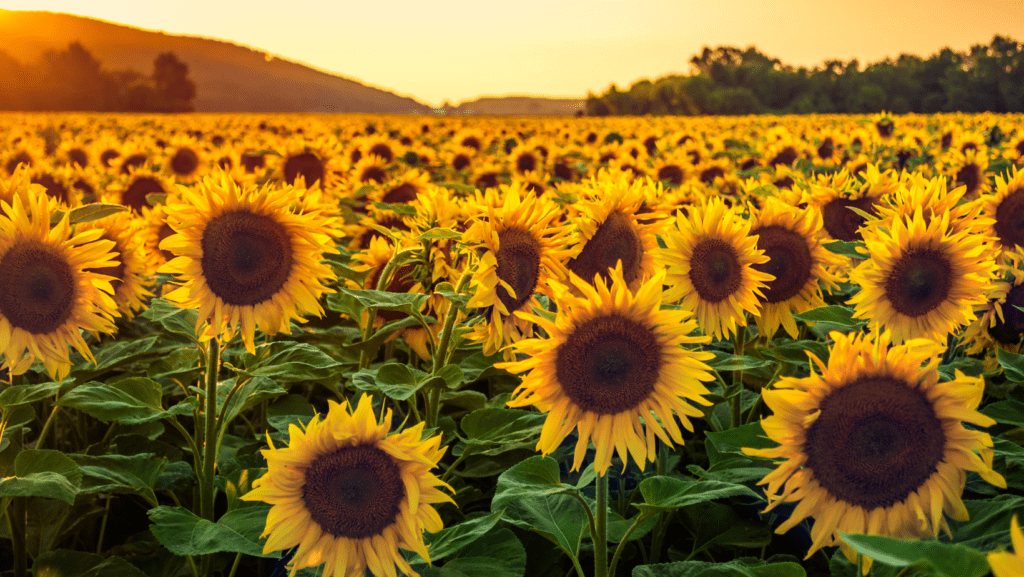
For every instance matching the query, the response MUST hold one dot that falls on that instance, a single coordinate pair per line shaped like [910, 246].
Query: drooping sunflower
[612, 367]
[49, 289]
[247, 256]
[521, 252]
[790, 238]
[876, 443]
[922, 279]
[349, 495]
[1004, 563]
[710, 256]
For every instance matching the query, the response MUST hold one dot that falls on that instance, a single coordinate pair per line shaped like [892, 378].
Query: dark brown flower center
[471, 142]
[251, 161]
[827, 148]
[78, 156]
[919, 282]
[843, 223]
[486, 180]
[715, 270]
[786, 156]
[789, 261]
[404, 192]
[21, 157]
[970, 176]
[107, 155]
[246, 257]
[526, 162]
[54, 188]
[37, 287]
[184, 162]
[1010, 219]
[609, 364]
[708, 175]
[876, 441]
[1009, 330]
[354, 492]
[885, 127]
[518, 265]
[306, 164]
[617, 239]
[672, 173]
[460, 161]
[134, 197]
[133, 161]
[383, 151]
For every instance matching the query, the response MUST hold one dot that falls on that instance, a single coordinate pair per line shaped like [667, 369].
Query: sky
[457, 50]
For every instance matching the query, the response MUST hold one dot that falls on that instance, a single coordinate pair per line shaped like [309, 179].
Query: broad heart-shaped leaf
[743, 567]
[451, 541]
[253, 392]
[287, 410]
[43, 473]
[498, 554]
[832, 317]
[65, 563]
[535, 477]
[88, 213]
[353, 302]
[111, 355]
[559, 518]
[173, 319]
[395, 380]
[1009, 412]
[287, 362]
[440, 234]
[941, 559]
[989, 520]
[668, 493]
[183, 533]
[729, 444]
[494, 431]
[1013, 365]
[129, 401]
[24, 394]
[121, 474]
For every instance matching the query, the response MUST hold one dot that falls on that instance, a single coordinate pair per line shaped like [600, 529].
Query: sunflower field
[324, 346]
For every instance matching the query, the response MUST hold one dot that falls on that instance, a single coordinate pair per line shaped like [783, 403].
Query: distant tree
[71, 79]
[173, 89]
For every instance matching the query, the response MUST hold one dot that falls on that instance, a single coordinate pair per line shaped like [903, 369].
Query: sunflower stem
[209, 490]
[382, 284]
[601, 528]
[736, 400]
[16, 523]
[641, 518]
[449, 324]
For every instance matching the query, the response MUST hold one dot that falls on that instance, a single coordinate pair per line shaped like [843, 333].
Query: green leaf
[495, 431]
[743, 567]
[946, 560]
[183, 533]
[253, 392]
[669, 493]
[730, 443]
[832, 317]
[288, 362]
[88, 213]
[1008, 412]
[559, 518]
[121, 474]
[447, 290]
[289, 410]
[129, 401]
[65, 563]
[113, 354]
[440, 234]
[729, 362]
[43, 473]
[478, 366]
[846, 248]
[498, 554]
[452, 540]
[249, 522]
[173, 319]
[535, 477]
[795, 351]
[395, 380]
[25, 394]
[1013, 365]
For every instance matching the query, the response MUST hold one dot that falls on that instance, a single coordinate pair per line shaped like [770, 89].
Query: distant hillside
[229, 77]
[520, 105]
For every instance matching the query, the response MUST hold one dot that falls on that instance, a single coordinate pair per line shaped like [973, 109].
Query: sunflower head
[875, 443]
[611, 358]
[349, 495]
[247, 256]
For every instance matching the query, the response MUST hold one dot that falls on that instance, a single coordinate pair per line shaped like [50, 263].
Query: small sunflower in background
[875, 444]
[349, 495]
[246, 257]
[710, 256]
[612, 368]
[968, 169]
[130, 277]
[1004, 563]
[922, 279]
[790, 238]
[1000, 323]
[132, 190]
[185, 159]
[520, 252]
[834, 196]
[49, 290]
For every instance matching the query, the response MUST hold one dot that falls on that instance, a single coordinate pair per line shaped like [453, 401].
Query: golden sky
[459, 49]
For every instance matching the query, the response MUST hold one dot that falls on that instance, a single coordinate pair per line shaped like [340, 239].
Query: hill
[229, 77]
[520, 105]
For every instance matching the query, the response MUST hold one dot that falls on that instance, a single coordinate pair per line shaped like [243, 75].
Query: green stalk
[601, 525]
[618, 549]
[17, 523]
[736, 401]
[208, 488]
[382, 284]
[441, 353]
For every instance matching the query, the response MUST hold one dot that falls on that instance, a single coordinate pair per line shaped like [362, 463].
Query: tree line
[728, 80]
[73, 80]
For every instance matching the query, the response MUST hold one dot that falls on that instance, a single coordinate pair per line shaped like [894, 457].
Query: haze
[457, 50]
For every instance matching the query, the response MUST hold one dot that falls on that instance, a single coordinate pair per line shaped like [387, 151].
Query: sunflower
[834, 196]
[789, 238]
[186, 160]
[132, 191]
[875, 444]
[1006, 208]
[1000, 323]
[48, 289]
[1004, 563]
[609, 231]
[710, 256]
[967, 168]
[247, 256]
[131, 281]
[520, 253]
[922, 279]
[349, 495]
[612, 367]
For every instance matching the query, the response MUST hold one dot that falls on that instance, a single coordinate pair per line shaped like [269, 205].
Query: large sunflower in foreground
[48, 287]
[876, 443]
[521, 252]
[349, 495]
[790, 239]
[922, 279]
[247, 256]
[710, 257]
[612, 367]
